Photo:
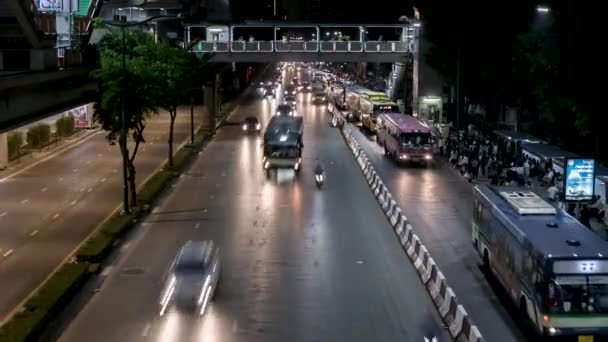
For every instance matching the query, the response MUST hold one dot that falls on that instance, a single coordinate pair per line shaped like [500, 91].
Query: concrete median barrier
[453, 314]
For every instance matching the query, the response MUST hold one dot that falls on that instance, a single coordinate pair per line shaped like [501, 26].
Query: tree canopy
[511, 55]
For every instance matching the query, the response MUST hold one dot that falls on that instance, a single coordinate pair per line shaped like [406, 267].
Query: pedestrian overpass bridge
[303, 42]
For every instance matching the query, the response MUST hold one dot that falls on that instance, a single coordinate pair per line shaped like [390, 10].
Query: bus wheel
[523, 310]
[486, 260]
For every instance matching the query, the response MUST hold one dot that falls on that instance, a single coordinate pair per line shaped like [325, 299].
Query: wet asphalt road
[438, 202]
[300, 264]
[48, 209]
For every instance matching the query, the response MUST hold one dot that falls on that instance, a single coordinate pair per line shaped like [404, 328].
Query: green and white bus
[553, 268]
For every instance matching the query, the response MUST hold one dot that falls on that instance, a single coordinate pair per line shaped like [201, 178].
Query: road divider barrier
[453, 314]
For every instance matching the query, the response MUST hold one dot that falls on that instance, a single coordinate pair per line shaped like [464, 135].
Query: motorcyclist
[318, 168]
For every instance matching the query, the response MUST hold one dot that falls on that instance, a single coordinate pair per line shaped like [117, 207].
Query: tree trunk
[172, 115]
[132, 187]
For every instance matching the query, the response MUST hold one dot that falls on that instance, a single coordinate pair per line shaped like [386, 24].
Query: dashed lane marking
[25, 201]
[106, 271]
[34, 233]
[4, 213]
[60, 179]
[73, 202]
[8, 253]
[90, 190]
[75, 170]
[146, 330]
[103, 180]
[197, 225]
[44, 189]
[55, 216]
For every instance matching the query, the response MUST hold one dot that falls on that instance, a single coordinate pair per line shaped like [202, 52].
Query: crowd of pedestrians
[475, 154]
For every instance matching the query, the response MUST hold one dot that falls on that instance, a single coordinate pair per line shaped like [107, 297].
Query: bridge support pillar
[3, 151]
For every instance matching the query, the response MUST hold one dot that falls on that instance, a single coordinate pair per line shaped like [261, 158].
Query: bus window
[578, 294]
[416, 139]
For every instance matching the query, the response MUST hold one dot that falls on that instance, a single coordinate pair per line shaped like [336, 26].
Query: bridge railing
[341, 46]
[254, 46]
[296, 46]
[303, 46]
[384, 46]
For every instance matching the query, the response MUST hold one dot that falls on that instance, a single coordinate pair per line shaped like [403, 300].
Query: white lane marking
[125, 246]
[34, 233]
[197, 225]
[90, 189]
[234, 326]
[75, 170]
[82, 189]
[60, 151]
[88, 162]
[25, 201]
[359, 262]
[60, 179]
[106, 271]
[4, 213]
[103, 180]
[55, 216]
[73, 202]
[146, 330]
[44, 189]
[99, 155]
[7, 253]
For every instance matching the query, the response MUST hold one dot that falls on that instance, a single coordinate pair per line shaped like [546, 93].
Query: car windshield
[577, 294]
[189, 268]
[251, 120]
[416, 139]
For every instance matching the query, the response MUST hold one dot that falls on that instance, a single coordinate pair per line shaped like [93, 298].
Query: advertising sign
[81, 116]
[579, 179]
[49, 4]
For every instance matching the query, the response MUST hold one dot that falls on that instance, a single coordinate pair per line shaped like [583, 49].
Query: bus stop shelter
[516, 138]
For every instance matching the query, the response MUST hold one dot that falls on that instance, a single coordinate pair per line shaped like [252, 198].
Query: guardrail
[459, 323]
[303, 46]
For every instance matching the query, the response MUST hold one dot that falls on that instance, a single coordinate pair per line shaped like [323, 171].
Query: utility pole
[458, 88]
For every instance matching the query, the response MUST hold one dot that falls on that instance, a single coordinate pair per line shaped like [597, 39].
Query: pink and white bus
[406, 138]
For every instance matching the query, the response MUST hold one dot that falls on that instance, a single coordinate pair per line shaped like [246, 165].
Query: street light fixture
[543, 9]
[123, 125]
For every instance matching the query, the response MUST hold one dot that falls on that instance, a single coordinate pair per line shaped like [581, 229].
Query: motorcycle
[319, 179]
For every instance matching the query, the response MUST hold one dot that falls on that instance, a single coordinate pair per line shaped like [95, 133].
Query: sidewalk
[599, 227]
[26, 161]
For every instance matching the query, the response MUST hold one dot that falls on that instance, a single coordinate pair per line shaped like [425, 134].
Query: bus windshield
[379, 109]
[416, 139]
[577, 294]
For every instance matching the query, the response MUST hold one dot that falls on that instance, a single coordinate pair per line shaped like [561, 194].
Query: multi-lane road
[48, 209]
[300, 264]
[439, 204]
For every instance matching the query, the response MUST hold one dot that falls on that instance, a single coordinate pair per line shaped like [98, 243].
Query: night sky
[325, 10]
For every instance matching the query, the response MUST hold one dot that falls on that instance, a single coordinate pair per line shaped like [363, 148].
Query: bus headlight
[428, 157]
[403, 156]
[553, 331]
[244, 127]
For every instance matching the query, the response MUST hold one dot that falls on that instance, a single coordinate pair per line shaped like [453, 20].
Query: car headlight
[244, 127]
[428, 157]
[403, 156]
[257, 126]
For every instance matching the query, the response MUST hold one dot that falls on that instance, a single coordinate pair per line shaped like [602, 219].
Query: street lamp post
[123, 123]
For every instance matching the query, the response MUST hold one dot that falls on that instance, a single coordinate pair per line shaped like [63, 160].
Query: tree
[39, 135]
[138, 84]
[175, 74]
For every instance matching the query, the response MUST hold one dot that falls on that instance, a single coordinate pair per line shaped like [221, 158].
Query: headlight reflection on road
[170, 328]
[211, 329]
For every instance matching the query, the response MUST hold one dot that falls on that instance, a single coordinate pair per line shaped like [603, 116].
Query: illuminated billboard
[579, 179]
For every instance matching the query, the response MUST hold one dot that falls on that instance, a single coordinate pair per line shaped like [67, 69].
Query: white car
[192, 278]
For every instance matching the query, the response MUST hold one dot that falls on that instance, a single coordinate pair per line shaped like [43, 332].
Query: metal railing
[341, 46]
[304, 46]
[254, 46]
[383, 46]
[212, 47]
